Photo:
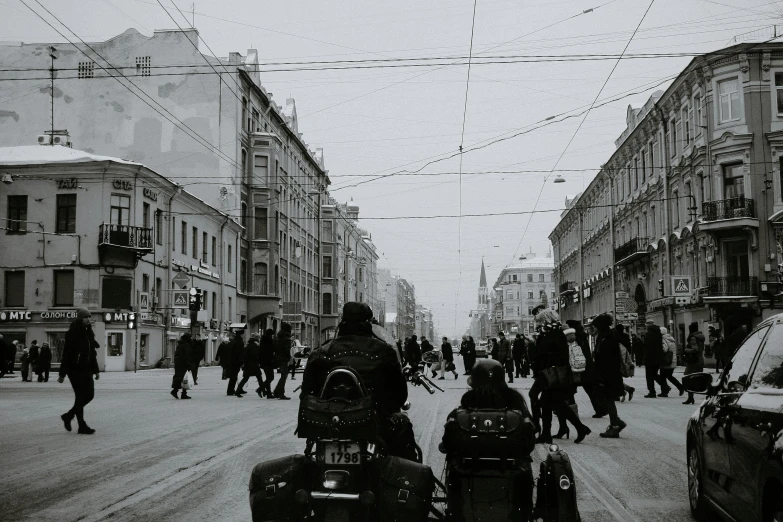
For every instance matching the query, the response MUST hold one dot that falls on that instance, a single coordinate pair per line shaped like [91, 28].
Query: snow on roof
[40, 154]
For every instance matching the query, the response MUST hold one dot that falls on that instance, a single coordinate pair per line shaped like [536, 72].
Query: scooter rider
[377, 364]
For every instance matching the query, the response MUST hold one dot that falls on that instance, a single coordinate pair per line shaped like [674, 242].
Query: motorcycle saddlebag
[273, 485]
[553, 502]
[404, 490]
[337, 418]
[485, 433]
[480, 494]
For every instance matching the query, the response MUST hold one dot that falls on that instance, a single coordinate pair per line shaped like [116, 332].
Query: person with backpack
[587, 377]
[669, 362]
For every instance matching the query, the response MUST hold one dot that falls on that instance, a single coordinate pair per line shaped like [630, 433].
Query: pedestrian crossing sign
[681, 285]
[180, 299]
[144, 301]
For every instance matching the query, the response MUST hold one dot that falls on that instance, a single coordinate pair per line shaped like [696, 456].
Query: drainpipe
[171, 243]
[581, 269]
[612, 246]
[666, 216]
[221, 267]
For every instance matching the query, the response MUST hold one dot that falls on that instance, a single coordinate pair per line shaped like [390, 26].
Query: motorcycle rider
[377, 364]
[489, 390]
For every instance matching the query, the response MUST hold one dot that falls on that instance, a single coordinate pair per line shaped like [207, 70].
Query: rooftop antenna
[193, 15]
[52, 50]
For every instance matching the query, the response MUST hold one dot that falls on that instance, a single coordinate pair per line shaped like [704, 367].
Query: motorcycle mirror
[697, 382]
[406, 406]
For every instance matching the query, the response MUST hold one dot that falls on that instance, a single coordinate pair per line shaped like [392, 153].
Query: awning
[237, 326]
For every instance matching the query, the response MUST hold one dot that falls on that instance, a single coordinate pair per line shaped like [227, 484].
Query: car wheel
[695, 485]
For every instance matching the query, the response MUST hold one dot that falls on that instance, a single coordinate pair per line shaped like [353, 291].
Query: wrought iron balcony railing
[740, 207]
[125, 236]
[568, 286]
[732, 286]
[637, 245]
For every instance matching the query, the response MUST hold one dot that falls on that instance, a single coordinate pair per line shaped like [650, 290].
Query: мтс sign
[681, 285]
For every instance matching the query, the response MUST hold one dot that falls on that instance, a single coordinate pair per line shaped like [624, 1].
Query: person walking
[13, 349]
[44, 363]
[718, 348]
[251, 366]
[469, 355]
[505, 356]
[198, 354]
[223, 356]
[448, 359]
[183, 361]
[669, 360]
[79, 362]
[266, 360]
[626, 352]
[608, 375]
[653, 354]
[413, 353]
[694, 356]
[282, 358]
[637, 347]
[24, 361]
[236, 352]
[587, 379]
[35, 352]
[518, 350]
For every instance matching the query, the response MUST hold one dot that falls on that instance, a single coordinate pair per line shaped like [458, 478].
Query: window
[733, 181]
[327, 305]
[540, 278]
[204, 253]
[261, 168]
[214, 251]
[530, 278]
[143, 65]
[158, 292]
[230, 260]
[530, 295]
[514, 277]
[66, 213]
[145, 283]
[244, 114]
[636, 173]
[675, 209]
[145, 215]
[628, 179]
[676, 133]
[116, 293]
[688, 201]
[530, 311]
[686, 126]
[214, 305]
[509, 294]
[697, 124]
[769, 368]
[244, 164]
[158, 227]
[230, 308]
[542, 294]
[779, 91]
[260, 279]
[17, 214]
[86, 69]
[326, 269]
[327, 230]
[728, 100]
[256, 121]
[120, 209]
[194, 242]
[243, 275]
[14, 289]
[173, 237]
[63, 288]
[738, 369]
[654, 157]
[243, 217]
[261, 224]
[184, 229]
[645, 163]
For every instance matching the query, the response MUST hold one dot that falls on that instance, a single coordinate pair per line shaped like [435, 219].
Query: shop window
[144, 341]
[56, 342]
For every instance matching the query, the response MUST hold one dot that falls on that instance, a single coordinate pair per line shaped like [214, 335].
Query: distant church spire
[483, 280]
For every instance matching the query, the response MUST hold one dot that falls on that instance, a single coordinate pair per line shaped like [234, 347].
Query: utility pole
[52, 50]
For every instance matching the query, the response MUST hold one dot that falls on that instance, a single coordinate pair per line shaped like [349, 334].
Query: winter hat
[286, 327]
[83, 313]
[664, 331]
[255, 335]
[356, 312]
[568, 331]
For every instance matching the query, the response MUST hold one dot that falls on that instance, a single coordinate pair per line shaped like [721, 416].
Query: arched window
[260, 285]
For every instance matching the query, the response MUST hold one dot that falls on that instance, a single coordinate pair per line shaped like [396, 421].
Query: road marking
[183, 476]
[611, 504]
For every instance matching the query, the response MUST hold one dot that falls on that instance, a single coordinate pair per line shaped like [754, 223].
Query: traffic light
[132, 323]
[194, 304]
[660, 287]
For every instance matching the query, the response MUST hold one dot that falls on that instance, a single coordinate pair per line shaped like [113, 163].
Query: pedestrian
[266, 360]
[236, 352]
[223, 356]
[637, 347]
[587, 379]
[3, 351]
[198, 354]
[669, 361]
[13, 350]
[183, 361]
[505, 355]
[518, 354]
[494, 348]
[79, 362]
[251, 366]
[44, 363]
[469, 355]
[608, 376]
[552, 348]
[413, 352]
[35, 352]
[296, 350]
[694, 356]
[282, 358]
[400, 352]
[718, 348]
[448, 359]
[626, 355]
[653, 355]
[24, 360]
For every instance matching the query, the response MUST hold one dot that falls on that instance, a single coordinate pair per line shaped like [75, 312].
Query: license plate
[342, 453]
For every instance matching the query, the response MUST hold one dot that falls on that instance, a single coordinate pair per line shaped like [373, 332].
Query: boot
[67, 418]
[563, 432]
[456, 375]
[582, 433]
[85, 430]
[174, 394]
[610, 433]
[621, 426]
[184, 395]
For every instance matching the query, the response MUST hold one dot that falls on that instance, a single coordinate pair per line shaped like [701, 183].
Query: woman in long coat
[182, 362]
[694, 359]
[608, 374]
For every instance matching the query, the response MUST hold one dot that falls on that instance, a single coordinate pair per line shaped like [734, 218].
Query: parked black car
[735, 438]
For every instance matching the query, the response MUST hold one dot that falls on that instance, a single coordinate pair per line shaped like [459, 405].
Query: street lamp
[559, 179]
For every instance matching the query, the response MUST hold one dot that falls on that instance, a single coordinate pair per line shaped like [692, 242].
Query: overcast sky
[384, 120]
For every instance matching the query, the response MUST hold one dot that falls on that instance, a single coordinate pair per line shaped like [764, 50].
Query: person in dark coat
[183, 361]
[718, 348]
[468, 352]
[448, 359]
[266, 360]
[223, 356]
[24, 361]
[10, 356]
[198, 354]
[44, 363]
[282, 358]
[35, 352]
[79, 362]
[734, 340]
[693, 355]
[494, 348]
[236, 352]
[588, 382]
[608, 373]
[3, 357]
[552, 348]
[637, 347]
[505, 355]
[518, 354]
[413, 352]
[251, 366]
[653, 358]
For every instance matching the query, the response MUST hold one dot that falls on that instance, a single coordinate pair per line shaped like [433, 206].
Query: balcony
[568, 287]
[731, 289]
[728, 214]
[631, 251]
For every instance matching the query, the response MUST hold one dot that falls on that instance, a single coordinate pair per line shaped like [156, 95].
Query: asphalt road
[157, 458]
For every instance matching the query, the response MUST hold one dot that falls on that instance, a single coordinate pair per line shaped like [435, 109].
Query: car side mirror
[697, 382]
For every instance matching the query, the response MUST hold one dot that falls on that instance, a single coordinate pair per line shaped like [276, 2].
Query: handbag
[186, 381]
[557, 377]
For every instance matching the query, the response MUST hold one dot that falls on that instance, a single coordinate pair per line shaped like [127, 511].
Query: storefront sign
[178, 263]
[204, 264]
[46, 315]
[151, 194]
[68, 183]
[151, 318]
[18, 316]
[59, 314]
[121, 184]
[113, 317]
[183, 322]
[204, 271]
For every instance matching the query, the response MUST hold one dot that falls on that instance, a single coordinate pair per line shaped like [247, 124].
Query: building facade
[520, 288]
[683, 222]
[399, 298]
[425, 326]
[114, 237]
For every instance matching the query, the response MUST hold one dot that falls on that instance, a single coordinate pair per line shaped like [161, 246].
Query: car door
[717, 423]
[756, 419]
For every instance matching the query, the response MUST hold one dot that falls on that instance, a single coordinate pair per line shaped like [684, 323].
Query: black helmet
[354, 312]
[487, 372]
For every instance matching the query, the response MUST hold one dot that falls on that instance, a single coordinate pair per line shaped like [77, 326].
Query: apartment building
[519, 288]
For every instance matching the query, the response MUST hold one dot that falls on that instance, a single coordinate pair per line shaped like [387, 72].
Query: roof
[43, 154]
[532, 262]
[483, 279]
